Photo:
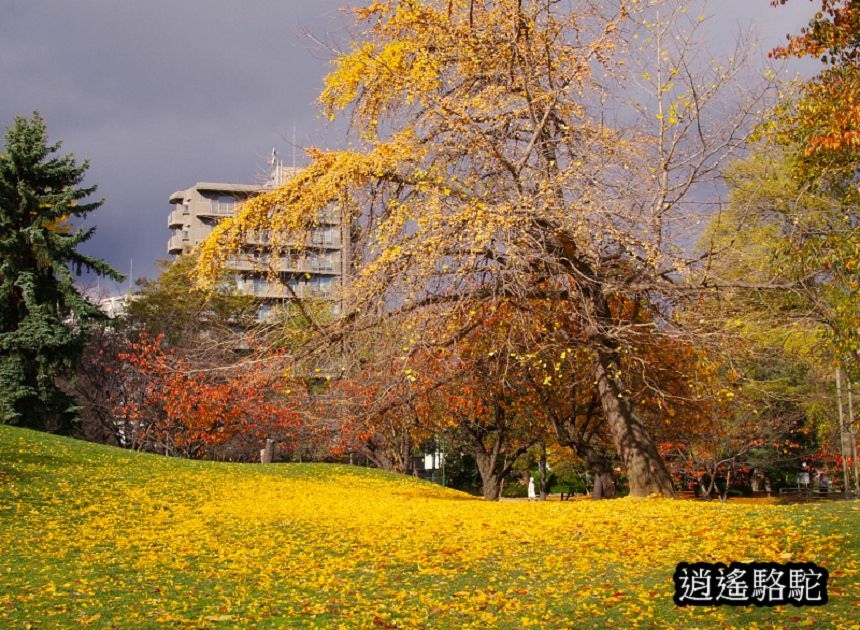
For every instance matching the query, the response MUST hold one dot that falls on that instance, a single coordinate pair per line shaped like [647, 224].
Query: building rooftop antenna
[276, 168]
[294, 148]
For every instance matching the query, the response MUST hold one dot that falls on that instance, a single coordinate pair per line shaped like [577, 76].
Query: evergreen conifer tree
[43, 316]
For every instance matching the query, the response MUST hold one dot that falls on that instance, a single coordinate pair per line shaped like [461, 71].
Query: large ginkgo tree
[513, 152]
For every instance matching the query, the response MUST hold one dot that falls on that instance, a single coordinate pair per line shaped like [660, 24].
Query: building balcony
[258, 238]
[176, 220]
[272, 291]
[236, 264]
[213, 210]
[286, 265]
[316, 240]
[262, 266]
[176, 245]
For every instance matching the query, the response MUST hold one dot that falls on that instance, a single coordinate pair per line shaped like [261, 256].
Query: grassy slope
[100, 536]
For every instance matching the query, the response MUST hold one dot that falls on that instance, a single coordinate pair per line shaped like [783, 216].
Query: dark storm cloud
[161, 94]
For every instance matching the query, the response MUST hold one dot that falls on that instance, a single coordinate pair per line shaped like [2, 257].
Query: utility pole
[852, 432]
[844, 441]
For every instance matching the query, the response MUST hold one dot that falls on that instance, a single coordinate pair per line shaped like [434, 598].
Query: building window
[330, 214]
[323, 262]
[222, 204]
[258, 284]
[323, 236]
[321, 286]
[291, 260]
[184, 235]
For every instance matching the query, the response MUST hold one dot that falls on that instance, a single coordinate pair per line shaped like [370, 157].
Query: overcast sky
[161, 94]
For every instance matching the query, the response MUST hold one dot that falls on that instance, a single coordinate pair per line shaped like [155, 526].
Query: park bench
[795, 493]
[808, 494]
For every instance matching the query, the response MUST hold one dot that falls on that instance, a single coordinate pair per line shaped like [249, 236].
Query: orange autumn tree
[491, 396]
[664, 382]
[484, 169]
[475, 395]
[831, 34]
[469, 395]
[377, 417]
[178, 410]
[750, 419]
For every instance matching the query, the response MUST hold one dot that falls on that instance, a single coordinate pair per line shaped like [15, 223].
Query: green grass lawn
[96, 536]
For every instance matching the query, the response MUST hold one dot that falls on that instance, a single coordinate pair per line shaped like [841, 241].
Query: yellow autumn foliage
[95, 536]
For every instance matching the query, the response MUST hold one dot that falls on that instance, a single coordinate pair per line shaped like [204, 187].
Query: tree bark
[645, 468]
[492, 476]
[576, 437]
[544, 477]
[405, 453]
[604, 487]
[488, 445]
[601, 469]
[491, 480]
[491, 487]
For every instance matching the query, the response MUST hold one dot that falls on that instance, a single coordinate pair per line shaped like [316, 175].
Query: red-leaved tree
[180, 409]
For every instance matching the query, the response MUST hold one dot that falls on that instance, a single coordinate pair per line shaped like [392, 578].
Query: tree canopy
[43, 316]
[818, 132]
[485, 172]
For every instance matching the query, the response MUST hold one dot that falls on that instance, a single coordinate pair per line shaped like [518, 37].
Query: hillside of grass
[92, 535]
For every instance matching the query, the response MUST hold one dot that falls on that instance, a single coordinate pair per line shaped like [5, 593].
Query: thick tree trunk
[599, 466]
[405, 453]
[493, 475]
[604, 487]
[645, 468]
[601, 470]
[491, 487]
[544, 477]
[488, 445]
[491, 479]
[267, 452]
[724, 496]
[379, 455]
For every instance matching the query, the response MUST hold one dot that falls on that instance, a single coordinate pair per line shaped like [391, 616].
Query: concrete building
[315, 270]
[115, 306]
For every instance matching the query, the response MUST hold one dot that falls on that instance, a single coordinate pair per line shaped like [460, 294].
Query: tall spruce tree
[43, 317]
